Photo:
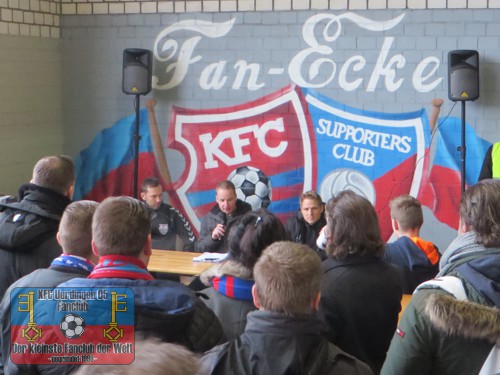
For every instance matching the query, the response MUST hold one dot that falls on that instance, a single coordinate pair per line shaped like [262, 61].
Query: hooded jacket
[28, 232]
[439, 334]
[228, 307]
[277, 344]
[210, 221]
[419, 260]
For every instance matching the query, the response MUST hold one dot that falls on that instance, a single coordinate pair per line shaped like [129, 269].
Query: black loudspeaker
[137, 71]
[463, 75]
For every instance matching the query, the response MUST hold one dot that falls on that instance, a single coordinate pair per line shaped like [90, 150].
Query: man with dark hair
[284, 335]
[165, 309]
[167, 222]
[77, 260]
[28, 227]
[305, 226]
[419, 259]
[214, 224]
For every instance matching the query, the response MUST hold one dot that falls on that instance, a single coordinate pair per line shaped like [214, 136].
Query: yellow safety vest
[495, 160]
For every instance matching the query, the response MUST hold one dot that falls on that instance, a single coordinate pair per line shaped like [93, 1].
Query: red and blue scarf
[234, 287]
[121, 267]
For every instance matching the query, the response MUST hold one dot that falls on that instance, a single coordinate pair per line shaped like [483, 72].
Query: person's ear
[147, 247]
[58, 237]
[395, 225]
[70, 191]
[94, 249]
[143, 195]
[255, 297]
[316, 300]
[462, 227]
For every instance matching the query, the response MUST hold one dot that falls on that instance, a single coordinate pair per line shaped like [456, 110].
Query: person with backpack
[452, 325]
[28, 227]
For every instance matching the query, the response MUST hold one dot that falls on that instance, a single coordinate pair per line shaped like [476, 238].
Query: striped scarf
[234, 287]
[73, 261]
[121, 267]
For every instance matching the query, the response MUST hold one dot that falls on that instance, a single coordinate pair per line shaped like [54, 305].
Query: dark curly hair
[251, 233]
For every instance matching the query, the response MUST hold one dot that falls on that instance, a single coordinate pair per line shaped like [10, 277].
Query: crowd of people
[319, 294]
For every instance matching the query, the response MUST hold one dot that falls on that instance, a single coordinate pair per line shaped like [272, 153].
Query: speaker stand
[462, 148]
[137, 137]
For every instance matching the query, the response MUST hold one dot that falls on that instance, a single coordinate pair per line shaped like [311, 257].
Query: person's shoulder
[242, 206]
[346, 364]
[294, 218]
[213, 356]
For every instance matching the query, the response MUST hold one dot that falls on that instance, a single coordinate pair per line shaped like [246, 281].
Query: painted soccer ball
[72, 326]
[347, 179]
[252, 186]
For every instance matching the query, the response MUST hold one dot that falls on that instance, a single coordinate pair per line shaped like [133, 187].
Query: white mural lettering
[165, 49]
[212, 76]
[361, 136]
[355, 154]
[313, 67]
[237, 142]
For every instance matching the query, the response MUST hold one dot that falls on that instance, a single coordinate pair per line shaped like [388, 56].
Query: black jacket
[277, 344]
[302, 232]
[210, 221]
[360, 302]
[28, 232]
[167, 223]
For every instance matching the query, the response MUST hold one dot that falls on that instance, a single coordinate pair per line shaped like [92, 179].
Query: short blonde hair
[407, 211]
[121, 226]
[75, 228]
[287, 278]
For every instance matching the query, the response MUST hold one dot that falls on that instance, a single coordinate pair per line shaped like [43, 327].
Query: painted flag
[378, 155]
[441, 190]
[106, 167]
[272, 134]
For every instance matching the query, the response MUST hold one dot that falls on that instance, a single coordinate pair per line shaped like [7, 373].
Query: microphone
[224, 219]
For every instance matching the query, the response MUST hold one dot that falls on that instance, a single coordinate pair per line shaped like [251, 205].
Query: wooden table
[177, 262]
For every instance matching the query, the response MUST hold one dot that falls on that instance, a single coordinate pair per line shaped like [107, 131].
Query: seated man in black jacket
[214, 224]
[305, 226]
[284, 335]
[167, 222]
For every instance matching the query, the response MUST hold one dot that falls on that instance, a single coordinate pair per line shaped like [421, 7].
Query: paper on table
[210, 257]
